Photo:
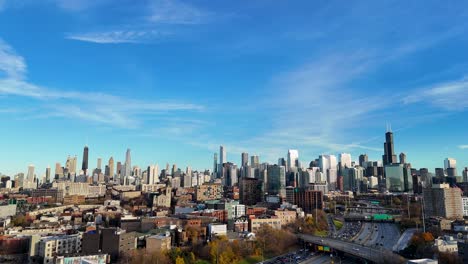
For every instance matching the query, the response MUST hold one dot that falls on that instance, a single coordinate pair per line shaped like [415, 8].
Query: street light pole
[422, 208]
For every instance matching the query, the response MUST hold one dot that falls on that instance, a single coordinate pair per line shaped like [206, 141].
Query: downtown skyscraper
[128, 163]
[111, 167]
[222, 155]
[293, 158]
[245, 159]
[389, 156]
[84, 165]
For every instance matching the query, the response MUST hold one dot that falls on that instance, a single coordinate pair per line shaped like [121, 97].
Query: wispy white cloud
[158, 21]
[451, 95]
[91, 106]
[176, 12]
[463, 146]
[123, 36]
[12, 65]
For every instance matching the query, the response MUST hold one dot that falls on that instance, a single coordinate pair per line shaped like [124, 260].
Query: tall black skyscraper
[84, 167]
[389, 156]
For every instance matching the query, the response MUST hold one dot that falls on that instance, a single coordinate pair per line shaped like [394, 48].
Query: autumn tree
[420, 246]
[273, 241]
[449, 258]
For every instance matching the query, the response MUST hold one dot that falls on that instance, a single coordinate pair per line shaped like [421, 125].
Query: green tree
[179, 260]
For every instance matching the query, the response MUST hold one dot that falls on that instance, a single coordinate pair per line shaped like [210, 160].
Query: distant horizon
[173, 80]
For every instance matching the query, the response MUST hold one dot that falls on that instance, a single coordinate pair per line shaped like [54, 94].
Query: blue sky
[173, 80]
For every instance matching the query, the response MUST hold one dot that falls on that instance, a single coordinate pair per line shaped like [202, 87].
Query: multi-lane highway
[376, 255]
[378, 235]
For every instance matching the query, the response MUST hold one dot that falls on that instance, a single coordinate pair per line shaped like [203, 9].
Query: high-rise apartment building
[308, 200]
[443, 201]
[51, 246]
[250, 191]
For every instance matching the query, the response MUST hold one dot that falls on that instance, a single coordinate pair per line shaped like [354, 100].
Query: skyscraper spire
[389, 156]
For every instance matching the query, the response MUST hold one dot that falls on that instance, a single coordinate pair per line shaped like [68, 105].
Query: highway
[376, 255]
[404, 239]
[378, 235]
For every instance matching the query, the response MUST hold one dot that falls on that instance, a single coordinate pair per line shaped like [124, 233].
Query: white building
[450, 166]
[465, 205]
[446, 244]
[217, 229]
[293, 158]
[153, 174]
[373, 182]
[9, 184]
[345, 160]
[222, 155]
[30, 175]
[51, 246]
[238, 210]
[450, 163]
[328, 165]
[7, 210]
[80, 188]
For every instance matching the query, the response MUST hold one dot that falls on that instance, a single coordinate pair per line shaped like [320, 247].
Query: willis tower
[389, 156]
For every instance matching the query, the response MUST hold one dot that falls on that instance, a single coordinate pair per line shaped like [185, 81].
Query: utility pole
[316, 209]
[408, 202]
[422, 209]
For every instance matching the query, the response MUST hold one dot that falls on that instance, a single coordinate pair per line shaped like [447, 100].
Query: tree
[396, 201]
[449, 258]
[179, 260]
[214, 249]
[420, 246]
[191, 258]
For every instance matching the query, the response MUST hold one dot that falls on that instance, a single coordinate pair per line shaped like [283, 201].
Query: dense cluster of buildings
[105, 213]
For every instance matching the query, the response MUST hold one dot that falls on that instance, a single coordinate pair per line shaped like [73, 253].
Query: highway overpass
[371, 254]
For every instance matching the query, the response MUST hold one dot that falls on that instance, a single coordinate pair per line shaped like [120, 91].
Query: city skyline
[237, 160]
[173, 81]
